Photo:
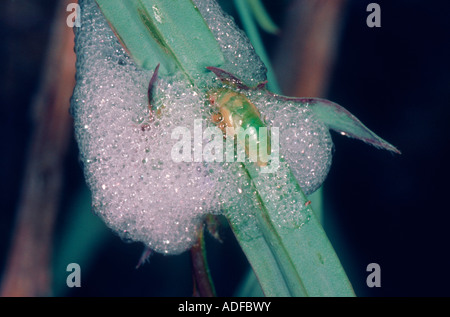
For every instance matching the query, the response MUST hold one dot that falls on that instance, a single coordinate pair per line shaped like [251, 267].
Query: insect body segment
[236, 114]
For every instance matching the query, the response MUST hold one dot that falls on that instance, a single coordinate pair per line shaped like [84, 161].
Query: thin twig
[203, 285]
[27, 270]
[307, 48]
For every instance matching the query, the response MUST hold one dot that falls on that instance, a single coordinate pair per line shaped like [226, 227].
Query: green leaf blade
[138, 42]
[342, 121]
[304, 253]
[264, 264]
[172, 33]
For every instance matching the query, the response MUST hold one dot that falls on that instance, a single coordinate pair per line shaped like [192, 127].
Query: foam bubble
[240, 57]
[137, 188]
[305, 141]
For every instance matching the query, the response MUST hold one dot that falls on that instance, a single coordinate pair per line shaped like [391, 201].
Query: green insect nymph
[235, 114]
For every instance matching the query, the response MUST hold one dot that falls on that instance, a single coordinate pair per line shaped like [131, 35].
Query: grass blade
[172, 33]
[306, 258]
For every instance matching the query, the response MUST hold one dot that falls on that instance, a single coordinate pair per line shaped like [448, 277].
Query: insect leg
[144, 257]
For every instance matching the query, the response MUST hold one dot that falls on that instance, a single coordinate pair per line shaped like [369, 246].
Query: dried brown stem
[27, 270]
[306, 53]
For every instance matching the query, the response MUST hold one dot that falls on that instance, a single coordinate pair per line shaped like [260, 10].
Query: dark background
[388, 209]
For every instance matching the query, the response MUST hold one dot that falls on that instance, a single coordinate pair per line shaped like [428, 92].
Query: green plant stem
[305, 256]
[264, 20]
[262, 17]
[171, 33]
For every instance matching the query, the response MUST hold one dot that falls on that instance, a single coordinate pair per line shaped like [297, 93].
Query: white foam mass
[137, 188]
[305, 141]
